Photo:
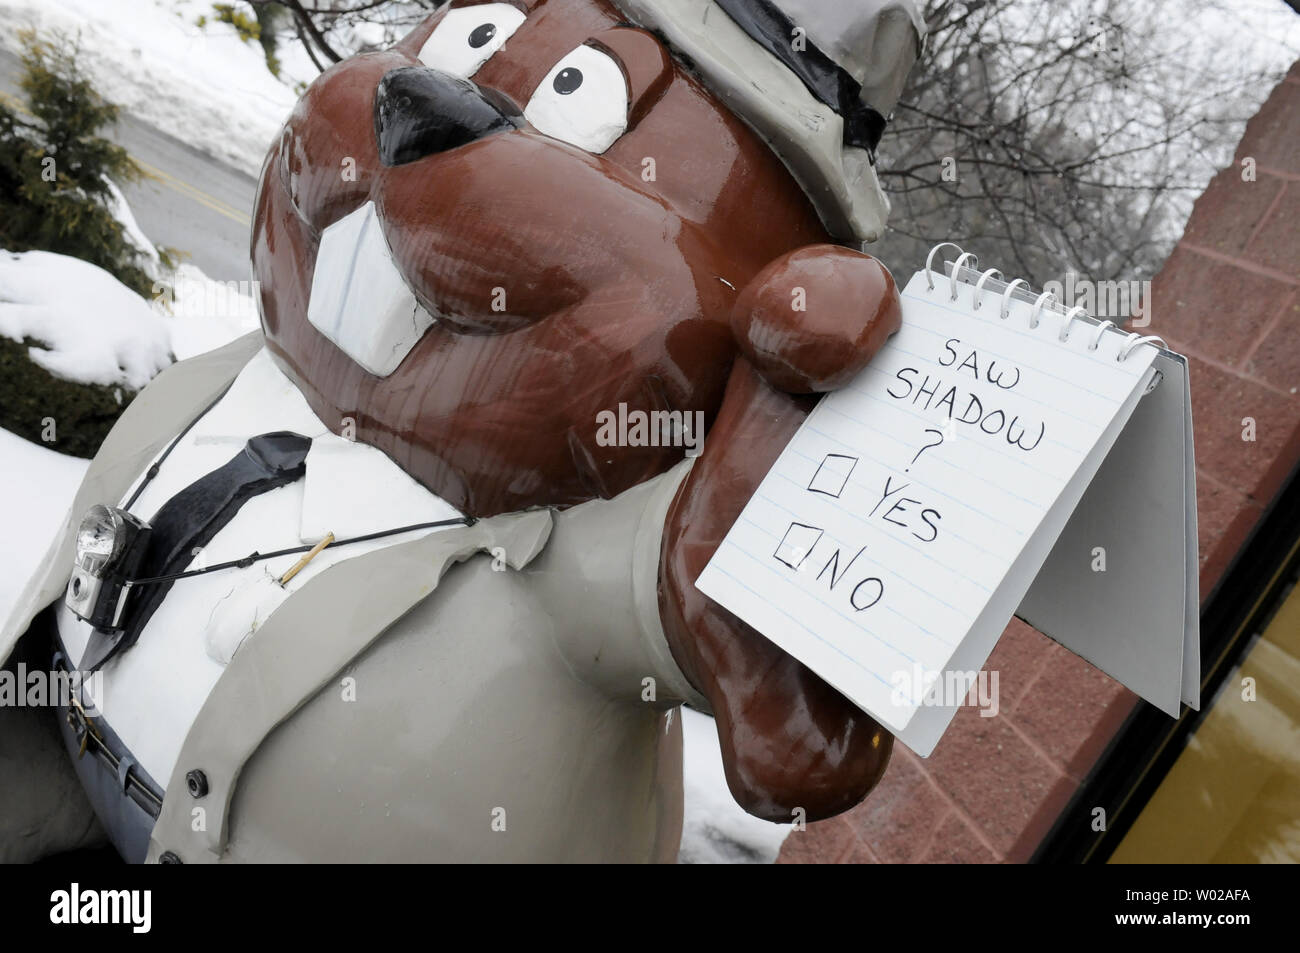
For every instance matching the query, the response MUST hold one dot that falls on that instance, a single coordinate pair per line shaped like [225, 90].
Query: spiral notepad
[1000, 456]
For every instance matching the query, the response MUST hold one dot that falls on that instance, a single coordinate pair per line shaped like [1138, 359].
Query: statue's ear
[813, 318]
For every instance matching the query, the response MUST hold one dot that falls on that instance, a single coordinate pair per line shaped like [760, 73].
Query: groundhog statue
[409, 573]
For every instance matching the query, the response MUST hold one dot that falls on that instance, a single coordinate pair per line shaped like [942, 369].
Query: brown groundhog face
[520, 216]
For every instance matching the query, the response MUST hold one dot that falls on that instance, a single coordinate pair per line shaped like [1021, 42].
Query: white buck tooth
[359, 299]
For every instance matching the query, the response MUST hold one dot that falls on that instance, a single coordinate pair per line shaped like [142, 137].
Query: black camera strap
[189, 521]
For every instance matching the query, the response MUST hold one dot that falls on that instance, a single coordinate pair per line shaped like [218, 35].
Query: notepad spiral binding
[1010, 290]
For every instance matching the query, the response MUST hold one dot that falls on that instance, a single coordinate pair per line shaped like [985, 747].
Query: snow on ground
[207, 314]
[202, 85]
[121, 210]
[202, 314]
[93, 328]
[38, 486]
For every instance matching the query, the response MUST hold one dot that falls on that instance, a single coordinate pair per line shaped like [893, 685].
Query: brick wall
[1229, 298]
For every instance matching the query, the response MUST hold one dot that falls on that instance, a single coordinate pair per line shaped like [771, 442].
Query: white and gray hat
[815, 78]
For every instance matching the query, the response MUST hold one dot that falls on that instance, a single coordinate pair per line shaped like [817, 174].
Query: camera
[111, 544]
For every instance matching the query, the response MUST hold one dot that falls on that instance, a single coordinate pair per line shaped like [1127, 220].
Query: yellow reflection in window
[1233, 795]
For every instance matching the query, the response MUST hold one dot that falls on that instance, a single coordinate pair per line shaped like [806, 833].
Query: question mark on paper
[939, 435]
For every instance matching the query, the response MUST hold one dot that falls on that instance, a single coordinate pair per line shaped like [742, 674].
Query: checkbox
[833, 474]
[797, 543]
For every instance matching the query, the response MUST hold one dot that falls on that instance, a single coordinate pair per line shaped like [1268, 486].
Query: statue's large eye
[468, 36]
[583, 100]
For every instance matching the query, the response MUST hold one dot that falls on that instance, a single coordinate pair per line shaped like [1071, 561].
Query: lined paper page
[895, 512]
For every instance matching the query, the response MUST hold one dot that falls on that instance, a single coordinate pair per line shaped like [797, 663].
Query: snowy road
[188, 200]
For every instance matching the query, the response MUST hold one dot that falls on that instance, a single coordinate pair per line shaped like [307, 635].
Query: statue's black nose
[421, 111]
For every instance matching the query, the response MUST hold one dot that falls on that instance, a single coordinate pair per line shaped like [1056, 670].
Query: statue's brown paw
[813, 318]
[789, 740]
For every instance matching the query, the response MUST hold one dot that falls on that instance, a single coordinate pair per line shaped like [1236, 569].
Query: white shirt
[153, 691]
